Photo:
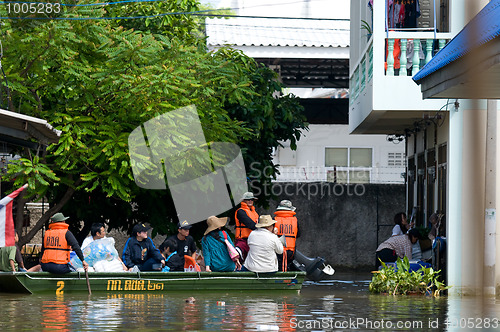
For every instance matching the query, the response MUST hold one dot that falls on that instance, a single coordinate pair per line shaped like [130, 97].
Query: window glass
[335, 157]
[361, 157]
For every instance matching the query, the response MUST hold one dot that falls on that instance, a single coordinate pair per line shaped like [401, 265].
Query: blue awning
[484, 27]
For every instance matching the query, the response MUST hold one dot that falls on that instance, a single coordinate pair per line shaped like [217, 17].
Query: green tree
[97, 80]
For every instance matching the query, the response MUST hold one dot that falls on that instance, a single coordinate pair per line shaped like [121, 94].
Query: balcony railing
[405, 56]
[421, 46]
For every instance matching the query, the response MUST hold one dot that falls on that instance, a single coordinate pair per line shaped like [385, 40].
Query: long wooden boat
[131, 282]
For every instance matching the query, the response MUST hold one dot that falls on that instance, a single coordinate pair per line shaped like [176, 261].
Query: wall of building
[342, 223]
[307, 163]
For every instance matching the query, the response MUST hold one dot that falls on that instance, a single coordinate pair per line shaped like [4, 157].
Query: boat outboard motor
[315, 268]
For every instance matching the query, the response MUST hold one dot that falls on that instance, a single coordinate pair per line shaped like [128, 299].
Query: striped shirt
[399, 243]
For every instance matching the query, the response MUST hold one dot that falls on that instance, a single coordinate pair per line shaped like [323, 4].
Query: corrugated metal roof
[484, 27]
[243, 31]
[23, 126]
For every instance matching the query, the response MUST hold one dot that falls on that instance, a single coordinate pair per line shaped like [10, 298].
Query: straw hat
[265, 221]
[214, 223]
[286, 205]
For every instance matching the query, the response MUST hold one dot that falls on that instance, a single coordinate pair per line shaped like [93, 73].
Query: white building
[450, 156]
[310, 55]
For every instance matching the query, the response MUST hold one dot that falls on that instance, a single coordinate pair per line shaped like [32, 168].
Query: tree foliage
[97, 80]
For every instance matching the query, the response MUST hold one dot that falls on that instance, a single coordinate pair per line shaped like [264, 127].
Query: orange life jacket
[56, 248]
[242, 231]
[286, 223]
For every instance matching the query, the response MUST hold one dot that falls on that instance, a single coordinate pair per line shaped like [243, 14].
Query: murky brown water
[341, 304]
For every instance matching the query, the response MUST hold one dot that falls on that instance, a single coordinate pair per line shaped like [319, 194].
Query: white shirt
[264, 245]
[88, 240]
[396, 230]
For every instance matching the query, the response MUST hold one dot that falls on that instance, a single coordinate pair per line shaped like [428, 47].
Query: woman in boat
[215, 250]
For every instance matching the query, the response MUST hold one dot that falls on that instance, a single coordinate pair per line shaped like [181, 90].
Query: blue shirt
[215, 252]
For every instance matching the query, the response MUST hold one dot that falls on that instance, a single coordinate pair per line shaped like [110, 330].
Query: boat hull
[128, 282]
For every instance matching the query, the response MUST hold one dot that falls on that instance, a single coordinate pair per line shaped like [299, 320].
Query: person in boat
[264, 245]
[246, 218]
[173, 262]
[97, 231]
[57, 244]
[185, 242]
[140, 251]
[102, 250]
[20, 261]
[9, 259]
[397, 246]
[287, 226]
[215, 251]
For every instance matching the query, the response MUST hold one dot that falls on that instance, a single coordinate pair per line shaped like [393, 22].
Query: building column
[490, 200]
[466, 215]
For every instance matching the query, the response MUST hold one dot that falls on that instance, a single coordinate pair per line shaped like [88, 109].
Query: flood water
[340, 304]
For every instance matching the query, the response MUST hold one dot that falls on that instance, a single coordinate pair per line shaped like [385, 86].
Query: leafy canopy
[97, 80]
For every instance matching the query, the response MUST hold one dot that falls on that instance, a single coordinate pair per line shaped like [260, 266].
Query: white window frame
[348, 168]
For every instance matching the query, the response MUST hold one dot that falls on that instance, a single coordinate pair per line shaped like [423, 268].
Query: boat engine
[316, 268]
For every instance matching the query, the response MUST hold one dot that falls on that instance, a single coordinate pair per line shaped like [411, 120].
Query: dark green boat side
[128, 282]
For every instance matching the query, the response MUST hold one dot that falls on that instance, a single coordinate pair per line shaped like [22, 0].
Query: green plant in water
[401, 280]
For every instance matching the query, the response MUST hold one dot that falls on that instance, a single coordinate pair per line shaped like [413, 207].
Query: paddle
[88, 282]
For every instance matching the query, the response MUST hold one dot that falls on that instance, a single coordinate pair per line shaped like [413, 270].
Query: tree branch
[50, 212]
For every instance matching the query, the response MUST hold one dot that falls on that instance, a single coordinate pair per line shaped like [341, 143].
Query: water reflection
[55, 315]
[331, 305]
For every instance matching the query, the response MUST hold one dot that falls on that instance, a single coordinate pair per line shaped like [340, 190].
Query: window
[348, 165]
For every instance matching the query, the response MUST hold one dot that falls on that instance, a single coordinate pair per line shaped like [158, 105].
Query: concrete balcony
[384, 98]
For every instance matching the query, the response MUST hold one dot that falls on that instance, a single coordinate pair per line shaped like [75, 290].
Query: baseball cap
[184, 225]
[140, 228]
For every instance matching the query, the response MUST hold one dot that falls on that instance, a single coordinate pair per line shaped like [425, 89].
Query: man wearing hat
[140, 251]
[246, 218]
[185, 242]
[286, 224]
[264, 245]
[57, 244]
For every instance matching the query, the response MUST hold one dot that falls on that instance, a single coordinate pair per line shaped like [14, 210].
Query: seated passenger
[97, 231]
[11, 259]
[185, 242]
[8, 261]
[215, 250]
[57, 244]
[140, 251]
[397, 246]
[173, 262]
[99, 251]
[264, 245]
